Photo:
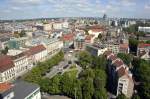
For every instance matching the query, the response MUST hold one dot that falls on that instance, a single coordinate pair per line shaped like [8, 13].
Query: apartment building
[36, 54]
[144, 29]
[143, 51]
[19, 90]
[7, 68]
[57, 25]
[119, 77]
[52, 45]
[95, 49]
[114, 47]
[21, 64]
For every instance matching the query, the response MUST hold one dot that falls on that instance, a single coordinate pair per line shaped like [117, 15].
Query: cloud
[16, 8]
[128, 2]
[62, 8]
[122, 2]
[147, 6]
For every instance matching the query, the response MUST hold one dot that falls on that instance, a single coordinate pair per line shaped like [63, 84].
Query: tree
[148, 42]
[133, 43]
[99, 62]
[86, 31]
[88, 88]
[5, 51]
[125, 57]
[100, 94]
[22, 33]
[85, 59]
[100, 79]
[44, 84]
[87, 73]
[136, 96]
[121, 96]
[100, 36]
[142, 72]
[54, 85]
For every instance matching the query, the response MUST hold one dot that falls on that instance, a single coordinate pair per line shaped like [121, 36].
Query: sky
[27, 9]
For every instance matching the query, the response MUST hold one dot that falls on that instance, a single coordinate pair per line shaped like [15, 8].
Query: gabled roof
[35, 50]
[21, 89]
[97, 30]
[142, 45]
[121, 71]
[5, 63]
[4, 87]
[118, 63]
[113, 57]
[67, 37]
[107, 53]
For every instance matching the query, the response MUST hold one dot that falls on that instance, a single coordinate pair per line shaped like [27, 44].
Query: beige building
[119, 77]
[7, 69]
[47, 27]
[36, 54]
[21, 63]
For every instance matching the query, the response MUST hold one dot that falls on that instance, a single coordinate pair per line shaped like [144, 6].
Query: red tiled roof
[113, 57]
[107, 53]
[118, 63]
[121, 71]
[5, 63]
[4, 87]
[68, 37]
[97, 30]
[95, 27]
[124, 46]
[35, 50]
[88, 37]
[143, 45]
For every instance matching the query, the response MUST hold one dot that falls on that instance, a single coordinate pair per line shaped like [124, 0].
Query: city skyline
[28, 9]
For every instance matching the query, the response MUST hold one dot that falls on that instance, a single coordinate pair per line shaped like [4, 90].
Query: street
[64, 65]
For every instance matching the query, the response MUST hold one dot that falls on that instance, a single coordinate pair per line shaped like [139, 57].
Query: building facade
[119, 77]
[21, 64]
[19, 90]
[7, 69]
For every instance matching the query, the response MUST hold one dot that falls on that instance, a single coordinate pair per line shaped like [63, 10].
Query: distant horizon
[71, 17]
[31, 9]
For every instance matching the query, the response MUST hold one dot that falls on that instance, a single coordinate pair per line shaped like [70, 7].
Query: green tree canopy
[121, 96]
[85, 59]
[88, 88]
[125, 57]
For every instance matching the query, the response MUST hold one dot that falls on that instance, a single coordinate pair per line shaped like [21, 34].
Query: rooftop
[36, 49]
[21, 89]
[142, 45]
[4, 87]
[5, 63]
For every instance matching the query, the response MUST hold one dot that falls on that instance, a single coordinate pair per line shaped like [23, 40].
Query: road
[63, 65]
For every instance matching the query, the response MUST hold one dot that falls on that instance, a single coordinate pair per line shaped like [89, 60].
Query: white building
[96, 50]
[65, 24]
[52, 45]
[57, 25]
[144, 29]
[7, 69]
[21, 64]
[119, 77]
[95, 32]
[112, 47]
[37, 54]
[47, 27]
